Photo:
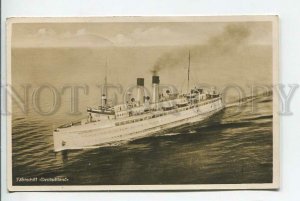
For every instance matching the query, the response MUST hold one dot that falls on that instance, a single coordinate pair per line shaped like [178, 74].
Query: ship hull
[92, 136]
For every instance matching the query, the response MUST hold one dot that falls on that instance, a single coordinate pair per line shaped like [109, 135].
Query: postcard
[142, 103]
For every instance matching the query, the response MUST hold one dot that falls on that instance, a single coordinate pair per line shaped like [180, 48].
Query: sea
[232, 147]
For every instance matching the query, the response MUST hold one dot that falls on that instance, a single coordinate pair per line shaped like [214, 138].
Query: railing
[166, 112]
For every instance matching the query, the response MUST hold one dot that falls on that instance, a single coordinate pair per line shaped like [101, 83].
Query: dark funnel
[155, 79]
[140, 81]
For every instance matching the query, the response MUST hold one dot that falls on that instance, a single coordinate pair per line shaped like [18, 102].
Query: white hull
[94, 135]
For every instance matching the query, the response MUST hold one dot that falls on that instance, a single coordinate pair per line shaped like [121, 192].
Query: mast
[105, 79]
[104, 89]
[188, 87]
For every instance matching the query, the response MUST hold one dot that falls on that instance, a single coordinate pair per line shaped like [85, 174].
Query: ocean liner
[139, 117]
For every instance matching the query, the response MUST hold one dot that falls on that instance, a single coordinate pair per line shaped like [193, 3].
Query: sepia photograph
[142, 103]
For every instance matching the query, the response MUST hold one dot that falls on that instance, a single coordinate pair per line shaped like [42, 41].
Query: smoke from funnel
[233, 36]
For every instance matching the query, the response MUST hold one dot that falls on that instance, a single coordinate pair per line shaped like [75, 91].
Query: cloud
[142, 35]
[45, 32]
[154, 36]
[81, 32]
[45, 37]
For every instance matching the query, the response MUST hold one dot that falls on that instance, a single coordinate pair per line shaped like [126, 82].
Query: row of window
[161, 114]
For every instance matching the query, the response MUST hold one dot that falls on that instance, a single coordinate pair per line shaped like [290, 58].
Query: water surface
[230, 148]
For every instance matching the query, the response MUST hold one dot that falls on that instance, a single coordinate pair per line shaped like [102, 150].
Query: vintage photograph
[142, 103]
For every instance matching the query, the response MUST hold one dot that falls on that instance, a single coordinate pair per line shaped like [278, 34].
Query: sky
[27, 35]
[222, 53]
